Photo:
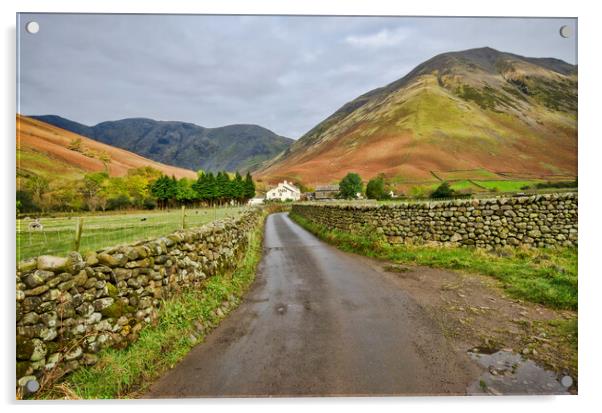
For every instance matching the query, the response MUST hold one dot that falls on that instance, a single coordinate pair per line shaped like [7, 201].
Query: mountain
[44, 149]
[232, 147]
[477, 110]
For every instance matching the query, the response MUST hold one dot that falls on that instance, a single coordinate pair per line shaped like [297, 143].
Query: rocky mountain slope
[232, 147]
[475, 109]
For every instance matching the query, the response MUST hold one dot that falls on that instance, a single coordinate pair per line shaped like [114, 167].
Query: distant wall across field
[70, 308]
[539, 221]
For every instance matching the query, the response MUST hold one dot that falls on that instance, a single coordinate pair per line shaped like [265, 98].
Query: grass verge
[183, 322]
[543, 276]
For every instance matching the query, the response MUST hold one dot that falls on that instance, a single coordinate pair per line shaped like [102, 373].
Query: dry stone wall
[69, 308]
[540, 220]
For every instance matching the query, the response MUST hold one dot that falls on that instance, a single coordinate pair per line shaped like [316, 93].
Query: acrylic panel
[230, 205]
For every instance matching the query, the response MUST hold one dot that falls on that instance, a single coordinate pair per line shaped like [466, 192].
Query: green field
[101, 231]
[507, 186]
[467, 174]
[465, 185]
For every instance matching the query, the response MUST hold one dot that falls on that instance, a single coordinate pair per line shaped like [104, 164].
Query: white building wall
[284, 191]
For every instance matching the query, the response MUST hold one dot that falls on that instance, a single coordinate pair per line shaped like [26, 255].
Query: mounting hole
[567, 381]
[566, 31]
[32, 27]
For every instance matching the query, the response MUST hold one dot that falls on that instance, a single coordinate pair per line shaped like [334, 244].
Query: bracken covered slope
[43, 149]
[475, 109]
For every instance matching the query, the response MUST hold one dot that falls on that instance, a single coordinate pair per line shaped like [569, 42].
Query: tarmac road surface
[318, 321]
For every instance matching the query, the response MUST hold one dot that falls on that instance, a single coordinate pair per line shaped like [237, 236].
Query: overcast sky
[283, 73]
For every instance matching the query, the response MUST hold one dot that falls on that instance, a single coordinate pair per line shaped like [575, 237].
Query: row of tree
[208, 189]
[351, 186]
[94, 191]
[141, 188]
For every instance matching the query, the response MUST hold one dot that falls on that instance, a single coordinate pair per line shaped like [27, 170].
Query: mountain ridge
[184, 144]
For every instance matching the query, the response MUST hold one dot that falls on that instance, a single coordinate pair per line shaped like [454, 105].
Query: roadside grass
[99, 231]
[183, 322]
[566, 328]
[543, 276]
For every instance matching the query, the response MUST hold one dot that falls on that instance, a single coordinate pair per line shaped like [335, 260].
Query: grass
[542, 276]
[429, 110]
[128, 373]
[465, 174]
[464, 185]
[507, 185]
[486, 98]
[102, 231]
[566, 328]
[30, 162]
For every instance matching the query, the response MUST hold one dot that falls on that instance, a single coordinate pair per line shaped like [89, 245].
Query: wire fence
[57, 236]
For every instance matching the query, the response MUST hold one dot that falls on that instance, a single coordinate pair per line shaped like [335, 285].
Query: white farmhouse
[284, 191]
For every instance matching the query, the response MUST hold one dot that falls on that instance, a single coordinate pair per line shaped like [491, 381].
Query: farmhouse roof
[334, 187]
[286, 185]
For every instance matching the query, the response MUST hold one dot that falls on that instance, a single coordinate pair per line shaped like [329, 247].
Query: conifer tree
[249, 187]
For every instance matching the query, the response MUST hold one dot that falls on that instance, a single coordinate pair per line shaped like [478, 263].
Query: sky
[285, 73]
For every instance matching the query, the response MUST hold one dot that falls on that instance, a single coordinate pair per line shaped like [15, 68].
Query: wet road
[318, 321]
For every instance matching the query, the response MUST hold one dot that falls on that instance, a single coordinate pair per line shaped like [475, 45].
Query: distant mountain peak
[475, 108]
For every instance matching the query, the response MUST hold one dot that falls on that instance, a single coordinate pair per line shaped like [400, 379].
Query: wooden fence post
[183, 216]
[79, 227]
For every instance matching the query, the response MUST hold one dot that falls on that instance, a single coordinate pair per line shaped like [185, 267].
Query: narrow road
[318, 321]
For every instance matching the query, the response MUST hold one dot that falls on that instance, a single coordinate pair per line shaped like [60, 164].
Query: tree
[91, 189]
[184, 191]
[249, 187]
[222, 181]
[115, 187]
[137, 187]
[105, 158]
[148, 172]
[76, 145]
[164, 189]
[119, 202]
[149, 203]
[38, 186]
[376, 188]
[350, 186]
[210, 190]
[25, 199]
[68, 198]
[200, 186]
[238, 188]
[443, 191]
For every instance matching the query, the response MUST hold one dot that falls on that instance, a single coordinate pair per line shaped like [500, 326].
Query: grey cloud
[284, 73]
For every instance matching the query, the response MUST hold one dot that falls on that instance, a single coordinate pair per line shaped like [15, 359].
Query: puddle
[508, 373]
